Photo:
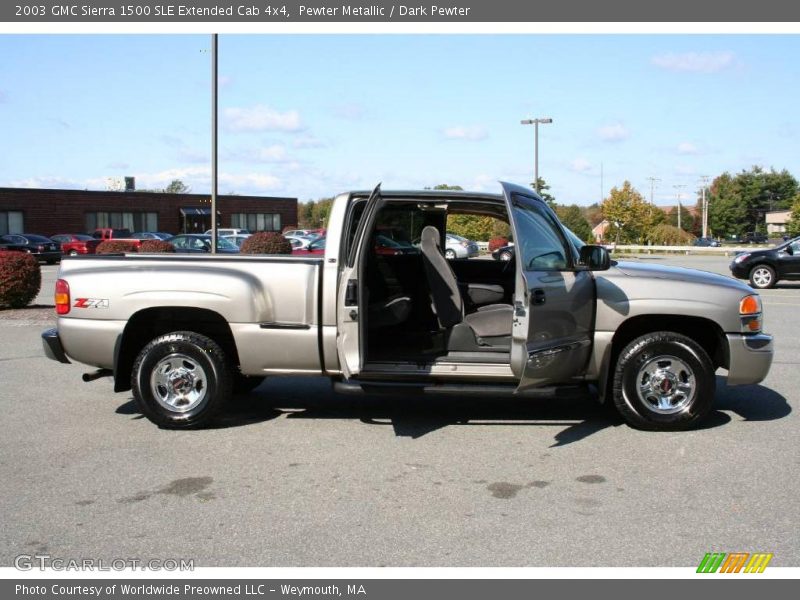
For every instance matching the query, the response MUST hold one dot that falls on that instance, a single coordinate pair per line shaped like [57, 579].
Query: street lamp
[535, 123]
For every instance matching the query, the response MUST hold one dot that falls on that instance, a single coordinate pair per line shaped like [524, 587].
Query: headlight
[751, 313]
[741, 257]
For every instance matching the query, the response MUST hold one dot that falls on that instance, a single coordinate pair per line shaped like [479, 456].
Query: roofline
[124, 194]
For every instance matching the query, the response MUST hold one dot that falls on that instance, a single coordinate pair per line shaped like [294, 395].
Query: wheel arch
[149, 323]
[707, 333]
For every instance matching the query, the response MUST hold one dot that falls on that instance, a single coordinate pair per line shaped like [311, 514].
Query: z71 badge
[91, 303]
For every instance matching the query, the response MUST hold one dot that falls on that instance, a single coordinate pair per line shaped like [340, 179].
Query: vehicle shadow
[751, 402]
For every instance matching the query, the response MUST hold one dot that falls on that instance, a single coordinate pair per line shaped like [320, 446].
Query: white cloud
[580, 165]
[687, 148]
[224, 80]
[261, 118]
[49, 182]
[695, 62]
[613, 132]
[685, 170]
[264, 154]
[308, 141]
[474, 133]
[117, 165]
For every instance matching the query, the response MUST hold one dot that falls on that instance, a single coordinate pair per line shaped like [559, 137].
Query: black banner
[455, 11]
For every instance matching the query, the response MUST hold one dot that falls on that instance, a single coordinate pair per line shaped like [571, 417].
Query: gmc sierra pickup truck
[187, 332]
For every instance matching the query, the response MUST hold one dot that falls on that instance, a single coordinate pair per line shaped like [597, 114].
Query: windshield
[226, 244]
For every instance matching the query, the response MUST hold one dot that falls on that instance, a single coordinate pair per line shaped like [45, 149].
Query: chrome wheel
[762, 277]
[505, 256]
[666, 385]
[178, 383]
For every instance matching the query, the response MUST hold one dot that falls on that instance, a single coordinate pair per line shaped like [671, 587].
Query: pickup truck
[185, 333]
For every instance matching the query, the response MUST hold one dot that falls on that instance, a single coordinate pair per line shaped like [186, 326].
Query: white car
[222, 232]
[298, 242]
[459, 247]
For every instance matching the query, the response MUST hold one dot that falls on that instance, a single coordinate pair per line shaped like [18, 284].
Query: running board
[393, 388]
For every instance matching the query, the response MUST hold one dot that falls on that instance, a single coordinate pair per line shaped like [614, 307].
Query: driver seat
[487, 329]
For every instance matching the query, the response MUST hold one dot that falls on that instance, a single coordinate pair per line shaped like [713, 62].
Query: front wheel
[664, 381]
[450, 254]
[762, 277]
[181, 380]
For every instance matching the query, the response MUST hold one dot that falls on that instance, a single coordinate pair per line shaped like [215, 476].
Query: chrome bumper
[750, 357]
[52, 346]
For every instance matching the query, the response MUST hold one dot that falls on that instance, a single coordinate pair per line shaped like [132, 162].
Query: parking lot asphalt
[295, 475]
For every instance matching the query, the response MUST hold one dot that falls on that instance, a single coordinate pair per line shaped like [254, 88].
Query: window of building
[132, 221]
[256, 221]
[11, 221]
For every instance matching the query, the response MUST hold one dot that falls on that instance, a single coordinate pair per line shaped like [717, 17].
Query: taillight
[62, 297]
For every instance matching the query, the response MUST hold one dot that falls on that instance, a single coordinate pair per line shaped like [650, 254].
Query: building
[47, 212]
[599, 231]
[776, 221]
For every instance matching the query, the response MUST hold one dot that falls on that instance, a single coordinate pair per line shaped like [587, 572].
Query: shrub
[116, 247]
[156, 246]
[497, 242]
[20, 279]
[669, 235]
[266, 242]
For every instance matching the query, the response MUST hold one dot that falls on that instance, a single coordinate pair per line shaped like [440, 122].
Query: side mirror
[789, 250]
[594, 258]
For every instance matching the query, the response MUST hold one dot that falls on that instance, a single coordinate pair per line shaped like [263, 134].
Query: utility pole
[214, 89]
[704, 204]
[652, 181]
[679, 187]
[535, 123]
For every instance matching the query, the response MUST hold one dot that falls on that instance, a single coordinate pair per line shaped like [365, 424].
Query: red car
[74, 244]
[316, 247]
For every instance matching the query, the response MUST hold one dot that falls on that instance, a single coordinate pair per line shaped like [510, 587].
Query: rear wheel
[762, 277]
[664, 381]
[181, 380]
[450, 254]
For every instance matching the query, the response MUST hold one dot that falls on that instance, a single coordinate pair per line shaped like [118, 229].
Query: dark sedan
[764, 268]
[504, 253]
[38, 246]
[195, 243]
[707, 242]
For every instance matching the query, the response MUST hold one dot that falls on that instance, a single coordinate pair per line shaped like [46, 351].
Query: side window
[472, 235]
[541, 244]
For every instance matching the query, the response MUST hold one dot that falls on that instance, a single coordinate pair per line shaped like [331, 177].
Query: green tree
[629, 215]
[793, 225]
[546, 196]
[573, 217]
[176, 186]
[687, 218]
[737, 204]
[669, 235]
[314, 213]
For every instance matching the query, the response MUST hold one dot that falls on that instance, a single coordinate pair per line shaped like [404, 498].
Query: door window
[540, 242]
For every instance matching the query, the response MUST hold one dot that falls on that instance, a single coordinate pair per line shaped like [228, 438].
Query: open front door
[553, 298]
[351, 299]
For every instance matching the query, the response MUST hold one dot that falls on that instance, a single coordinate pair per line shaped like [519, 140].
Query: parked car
[459, 247]
[765, 268]
[707, 242]
[75, 244]
[752, 237]
[223, 231]
[184, 334]
[309, 233]
[386, 246]
[39, 246]
[109, 233]
[504, 253]
[151, 235]
[316, 246]
[195, 243]
[237, 239]
[299, 241]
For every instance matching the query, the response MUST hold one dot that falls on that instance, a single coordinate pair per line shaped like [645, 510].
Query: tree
[176, 186]
[593, 214]
[629, 215]
[572, 216]
[687, 218]
[546, 196]
[793, 225]
[314, 213]
[669, 235]
[737, 204]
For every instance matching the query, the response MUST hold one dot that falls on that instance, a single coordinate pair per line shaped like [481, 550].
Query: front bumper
[740, 270]
[750, 357]
[52, 346]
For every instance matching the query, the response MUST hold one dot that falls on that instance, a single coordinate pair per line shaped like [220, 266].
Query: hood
[635, 269]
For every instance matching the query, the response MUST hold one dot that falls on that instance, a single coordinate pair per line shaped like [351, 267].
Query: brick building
[47, 212]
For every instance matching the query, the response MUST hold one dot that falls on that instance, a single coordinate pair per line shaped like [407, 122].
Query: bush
[116, 247]
[266, 242]
[669, 235]
[497, 242]
[20, 279]
[156, 246]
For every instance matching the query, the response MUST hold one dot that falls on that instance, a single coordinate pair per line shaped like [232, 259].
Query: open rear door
[554, 299]
[352, 297]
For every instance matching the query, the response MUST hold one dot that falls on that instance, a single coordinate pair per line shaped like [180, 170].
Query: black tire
[762, 277]
[244, 384]
[192, 361]
[643, 367]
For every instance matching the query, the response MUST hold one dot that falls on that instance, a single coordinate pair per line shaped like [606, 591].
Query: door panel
[351, 298]
[554, 300]
[789, 264]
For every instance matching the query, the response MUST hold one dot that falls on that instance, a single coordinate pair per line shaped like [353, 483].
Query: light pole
[704, 204]
[214, 167]
[679, 187]
[535, 123]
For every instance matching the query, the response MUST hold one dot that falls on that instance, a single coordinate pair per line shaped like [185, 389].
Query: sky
[312, 115]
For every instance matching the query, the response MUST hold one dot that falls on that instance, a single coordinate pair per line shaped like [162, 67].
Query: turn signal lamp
[750, 310]
[62, 299]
